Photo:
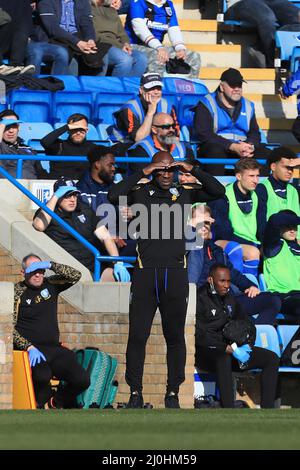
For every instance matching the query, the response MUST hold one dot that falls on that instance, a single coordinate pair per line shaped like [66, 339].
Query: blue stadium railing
[42, 158]
[97, 256]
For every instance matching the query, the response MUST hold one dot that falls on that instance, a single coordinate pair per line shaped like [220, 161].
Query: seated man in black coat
[215, 308]
[265, 305]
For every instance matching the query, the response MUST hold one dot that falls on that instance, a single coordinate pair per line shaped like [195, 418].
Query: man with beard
[75, 144]
[94, 186]
[225, 123]
[162, 138]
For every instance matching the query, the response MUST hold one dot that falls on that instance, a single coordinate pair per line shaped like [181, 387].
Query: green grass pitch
[150, 429]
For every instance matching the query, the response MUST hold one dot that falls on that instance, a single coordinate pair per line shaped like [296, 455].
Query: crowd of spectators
[87, 37]
[250, 230]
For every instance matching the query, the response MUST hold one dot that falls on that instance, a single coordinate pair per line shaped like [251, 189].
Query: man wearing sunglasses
[160, 275]
[75, 144]
[163, 137]
[134, 120]
[36, 331]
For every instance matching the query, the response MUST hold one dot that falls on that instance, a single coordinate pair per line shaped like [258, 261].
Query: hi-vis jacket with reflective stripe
[178, 149]
[223, 124]
[135, 105]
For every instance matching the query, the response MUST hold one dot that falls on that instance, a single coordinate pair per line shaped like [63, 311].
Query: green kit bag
[103, 388]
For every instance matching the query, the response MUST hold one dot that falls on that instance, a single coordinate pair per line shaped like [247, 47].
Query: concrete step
[282, 137]
[273, 106]
[218, 55]
[257, 79]
[268, 124]
[199, 31]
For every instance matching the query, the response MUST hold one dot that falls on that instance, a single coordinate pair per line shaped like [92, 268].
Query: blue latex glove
[241, 355]
[120, 272]
[62, 190]
[247, 348]
[35, 356]
[37, 265]
[9, 122]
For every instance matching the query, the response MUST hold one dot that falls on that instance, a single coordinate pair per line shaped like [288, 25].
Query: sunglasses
[165, 126]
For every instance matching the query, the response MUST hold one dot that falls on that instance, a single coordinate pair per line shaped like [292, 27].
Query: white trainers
[9, 69]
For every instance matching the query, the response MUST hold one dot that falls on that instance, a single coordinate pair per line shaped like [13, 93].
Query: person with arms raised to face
[12, 144]
[215, 353]
[160, 275]
[36, 331]
[75, 144]
[134, 120]
[80, 216]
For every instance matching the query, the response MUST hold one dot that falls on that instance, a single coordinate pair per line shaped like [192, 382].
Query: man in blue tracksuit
[200, 261]
[225, 124]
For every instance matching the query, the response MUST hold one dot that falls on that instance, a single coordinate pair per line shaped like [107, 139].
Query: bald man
[163, 137]
[160, 210]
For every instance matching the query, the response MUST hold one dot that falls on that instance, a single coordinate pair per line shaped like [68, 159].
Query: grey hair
[31, 255]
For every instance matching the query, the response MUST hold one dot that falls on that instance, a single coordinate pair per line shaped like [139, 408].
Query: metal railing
[98, 258]
[40, 157]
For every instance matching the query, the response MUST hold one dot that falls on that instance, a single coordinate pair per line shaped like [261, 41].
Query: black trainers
[171, 400]
[136, 400]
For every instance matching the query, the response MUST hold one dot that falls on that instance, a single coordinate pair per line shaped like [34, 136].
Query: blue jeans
[38, 52]
[124, 64]
[271, 14]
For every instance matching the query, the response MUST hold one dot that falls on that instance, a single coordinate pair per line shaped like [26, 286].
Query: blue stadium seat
[40, 101]
[266, 337]
[285, 334]
[33, 132]
[91, 135]
[70, 81]
[288, 48]
[107, 103]
[66, 103]
[131, 84]
[101, 128]
[296, 3]
[184, 134]
[262, 283]
[102, 84]
[185, 114]
[184, 86]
